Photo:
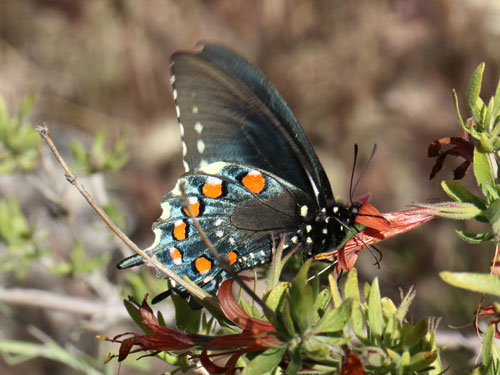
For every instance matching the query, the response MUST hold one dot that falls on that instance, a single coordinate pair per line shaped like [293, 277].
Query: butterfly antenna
[351, 190]
[374, 150]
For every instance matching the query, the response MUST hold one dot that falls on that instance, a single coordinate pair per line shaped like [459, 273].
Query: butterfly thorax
[331, 227]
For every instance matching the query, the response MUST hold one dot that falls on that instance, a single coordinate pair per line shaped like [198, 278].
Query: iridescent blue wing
[240, 209]
[229, 111]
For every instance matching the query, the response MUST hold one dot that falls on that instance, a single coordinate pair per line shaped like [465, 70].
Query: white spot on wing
[218, 222]
[213, 168]
[177, 261]
[158, 232]
[303, 211]
[211, 180]
[253, 172]
[232, 241]
[176, 191]
[200, 145]
[207, 279]
[172, 79]
[219, 233]
[186, 166]
[198, 127]
[195, 109]
[184, 148]
[174, 93]
[180, 125]
[178, 111]
[165, 215]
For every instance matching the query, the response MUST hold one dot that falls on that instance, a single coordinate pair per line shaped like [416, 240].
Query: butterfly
[251, 177]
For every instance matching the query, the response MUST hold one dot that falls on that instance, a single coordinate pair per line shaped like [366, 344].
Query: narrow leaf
[459, 193]
[334, 319]
[473, 91]
[265, 362]
[475, 238]
[375, 317]
[483, 172]
[477, 282]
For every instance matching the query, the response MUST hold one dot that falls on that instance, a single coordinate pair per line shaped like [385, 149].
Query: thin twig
[150, 261]
[61, 302]
[221, 260]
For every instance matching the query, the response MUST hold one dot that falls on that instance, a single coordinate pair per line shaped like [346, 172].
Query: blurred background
[360, 72]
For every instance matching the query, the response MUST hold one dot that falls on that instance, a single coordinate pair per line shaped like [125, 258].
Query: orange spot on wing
[176, 255]
[254, 182]
[203, 264]
[232, 257]
[195, 207]
[212, 190]
[179, 231]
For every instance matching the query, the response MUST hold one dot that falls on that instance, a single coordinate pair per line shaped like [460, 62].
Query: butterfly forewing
[228, 111]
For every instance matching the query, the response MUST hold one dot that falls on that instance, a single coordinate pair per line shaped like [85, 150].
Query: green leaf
[334, 319]
[302, 299]
[351, 290]
[375, 318]
[265, 362]
[469, 130]
[483, 173]
[488, 118]
[485, 143]
[496, 107]
[453, 210]
[135, 314]
[491, 353]
[295, 363]
[459, 193]
[405, 305]
[185, 317]
[493, 214]
[477, 282]
[334, 291]
[284, 319]
[421, 361]
[274, 297]
[473, 91]
[322, 300]
[415, 335]
[475, 238]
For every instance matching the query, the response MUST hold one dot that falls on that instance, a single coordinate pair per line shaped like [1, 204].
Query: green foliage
[385, 341]
[98, 158]
[490, 355]
[16, 352]
[79, 263]
[18, 140]
[484, 128]
[22, 242]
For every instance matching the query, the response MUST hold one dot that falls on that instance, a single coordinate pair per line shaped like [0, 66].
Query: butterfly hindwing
[239, 208]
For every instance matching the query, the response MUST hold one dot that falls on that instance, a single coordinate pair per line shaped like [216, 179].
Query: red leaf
[237, 315]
